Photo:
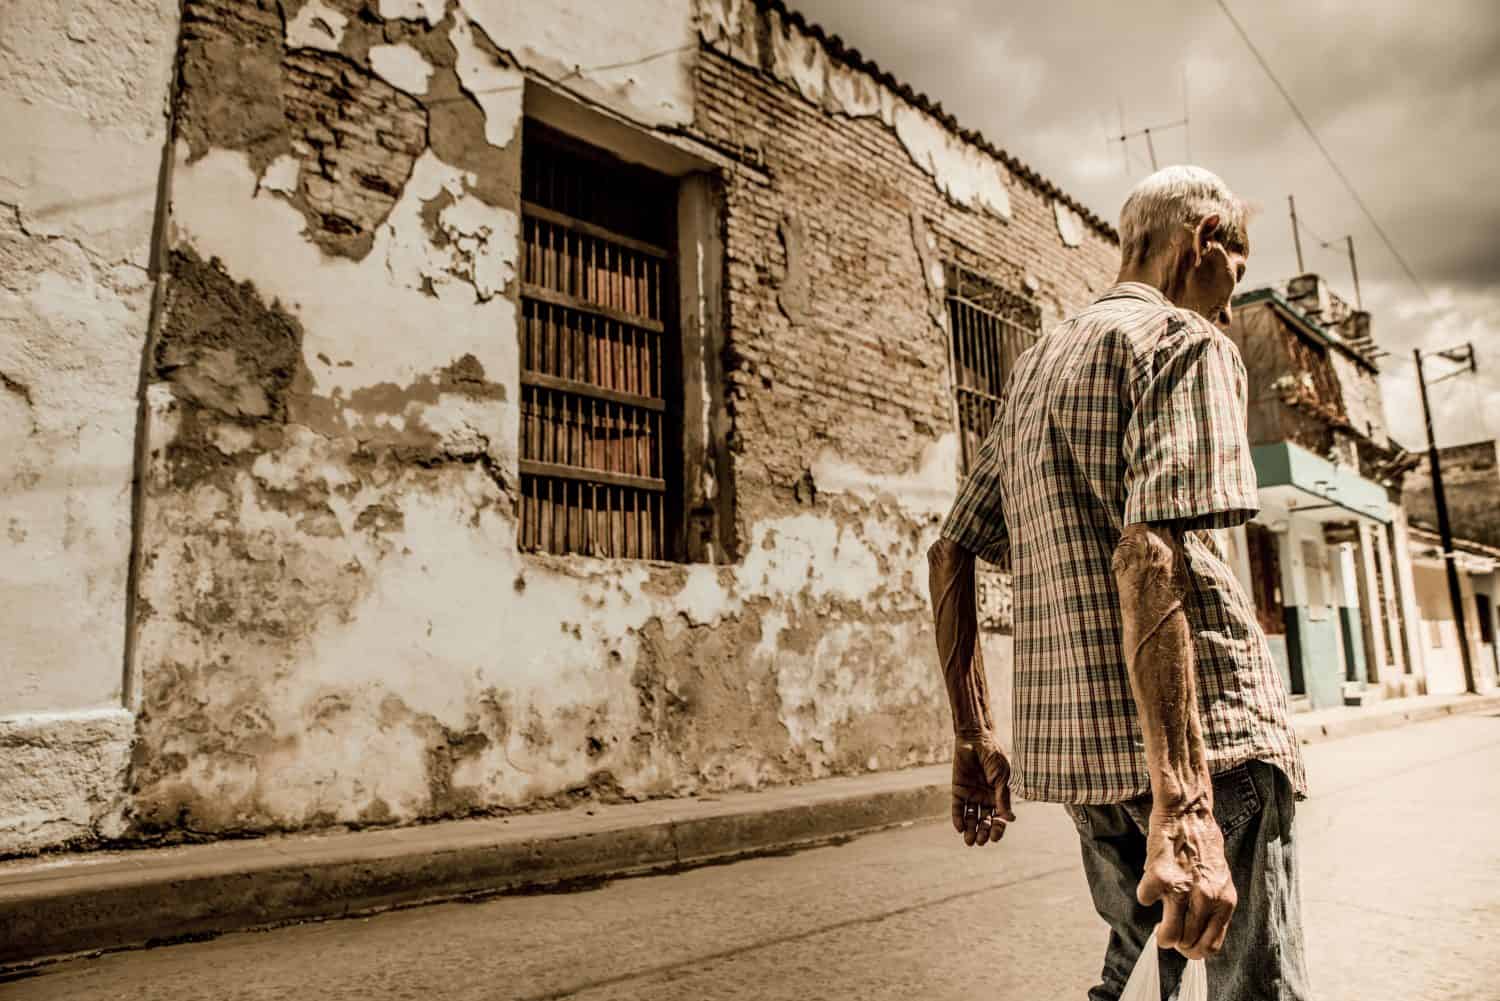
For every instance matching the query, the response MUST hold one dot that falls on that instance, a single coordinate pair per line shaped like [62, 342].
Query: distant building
[1471, 486]
[1479, 579]
[1324, 559]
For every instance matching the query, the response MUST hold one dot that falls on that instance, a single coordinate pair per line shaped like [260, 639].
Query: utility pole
[1354, 270]
[1445, 530]
[1296, 236]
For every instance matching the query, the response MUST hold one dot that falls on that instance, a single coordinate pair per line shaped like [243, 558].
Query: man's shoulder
[1150, 329]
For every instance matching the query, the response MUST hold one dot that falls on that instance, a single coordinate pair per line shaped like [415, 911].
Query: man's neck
[1152, 274]
[1165, 272]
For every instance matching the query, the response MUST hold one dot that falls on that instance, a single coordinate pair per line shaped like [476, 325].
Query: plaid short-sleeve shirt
[1131, 412]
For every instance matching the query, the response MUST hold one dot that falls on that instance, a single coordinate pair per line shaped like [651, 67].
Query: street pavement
[1400, 851]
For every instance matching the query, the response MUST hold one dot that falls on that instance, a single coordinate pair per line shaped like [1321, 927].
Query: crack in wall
[94, 256]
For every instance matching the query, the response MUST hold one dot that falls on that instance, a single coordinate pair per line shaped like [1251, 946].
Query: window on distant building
[1486, 619]
[600, 354]
[989, 327]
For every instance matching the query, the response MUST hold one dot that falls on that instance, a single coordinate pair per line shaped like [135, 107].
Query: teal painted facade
[1322, 484]
[1322, 667]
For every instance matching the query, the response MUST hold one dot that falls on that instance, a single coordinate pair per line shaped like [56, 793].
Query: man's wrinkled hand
[981, 790]
[1186, 871]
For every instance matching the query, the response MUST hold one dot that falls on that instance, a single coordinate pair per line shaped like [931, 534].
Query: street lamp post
[1445, 530]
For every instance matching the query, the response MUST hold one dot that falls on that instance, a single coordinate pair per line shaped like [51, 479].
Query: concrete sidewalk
[68, 904]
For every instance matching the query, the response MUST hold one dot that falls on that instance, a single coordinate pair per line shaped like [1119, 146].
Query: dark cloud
[1405, 95]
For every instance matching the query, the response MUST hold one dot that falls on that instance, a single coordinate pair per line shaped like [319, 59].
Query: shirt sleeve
[977, 521]
[1187, 452]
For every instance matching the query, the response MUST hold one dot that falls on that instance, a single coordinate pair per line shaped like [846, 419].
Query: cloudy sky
[1405, 95]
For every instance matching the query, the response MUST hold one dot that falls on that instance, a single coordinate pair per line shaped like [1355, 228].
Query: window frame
[707, 531]
[989, 326]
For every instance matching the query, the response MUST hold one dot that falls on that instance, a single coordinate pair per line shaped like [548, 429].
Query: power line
[1348, 186]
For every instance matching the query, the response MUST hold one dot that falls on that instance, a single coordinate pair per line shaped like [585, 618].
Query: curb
[157, 896]
[54, 907]
[1374, 720]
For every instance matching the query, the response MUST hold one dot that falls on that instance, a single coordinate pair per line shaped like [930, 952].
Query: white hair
[1179, 197]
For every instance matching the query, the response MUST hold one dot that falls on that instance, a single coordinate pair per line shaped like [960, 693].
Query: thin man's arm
[951, 579]
[981, 771]
[1185, 866]
[1148, 565]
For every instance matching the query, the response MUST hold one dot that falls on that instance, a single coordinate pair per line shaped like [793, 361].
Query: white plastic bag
[1145, 980]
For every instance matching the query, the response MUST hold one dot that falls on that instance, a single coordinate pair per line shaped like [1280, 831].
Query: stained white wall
[82, 111]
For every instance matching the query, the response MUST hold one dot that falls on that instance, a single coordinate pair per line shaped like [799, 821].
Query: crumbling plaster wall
[833, 200]
[1364, 404]
[335, 625]
[82, 112]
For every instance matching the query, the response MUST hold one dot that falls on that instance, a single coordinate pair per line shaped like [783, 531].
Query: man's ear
[1203, 236]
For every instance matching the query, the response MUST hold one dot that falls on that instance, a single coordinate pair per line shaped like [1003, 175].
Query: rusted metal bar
[556, 298]
[593, 230]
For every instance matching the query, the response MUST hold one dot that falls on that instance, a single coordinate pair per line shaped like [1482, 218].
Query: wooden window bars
[598, 354]
[989, 328]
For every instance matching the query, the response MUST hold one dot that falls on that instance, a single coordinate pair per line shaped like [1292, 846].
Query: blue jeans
[1263, 957]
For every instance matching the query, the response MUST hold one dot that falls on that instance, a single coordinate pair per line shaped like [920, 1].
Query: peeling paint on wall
[316, 26]
[335, 624]
[927, 491]
[496, 86]
[390, 648]
[432, 10]
[402, 67]
[926, 247]
[1069, 224]
[960, 170]
[634, 57]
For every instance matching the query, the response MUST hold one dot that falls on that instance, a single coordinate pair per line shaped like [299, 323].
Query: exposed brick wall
[357, 138]
[867, 373]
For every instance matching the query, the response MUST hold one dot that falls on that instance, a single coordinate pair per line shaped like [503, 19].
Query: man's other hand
[981, 790]
[1186, 871]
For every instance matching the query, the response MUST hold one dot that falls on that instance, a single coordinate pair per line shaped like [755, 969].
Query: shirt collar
[1135, 290]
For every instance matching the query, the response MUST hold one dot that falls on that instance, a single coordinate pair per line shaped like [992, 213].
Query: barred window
[989, 327]
[600, 393]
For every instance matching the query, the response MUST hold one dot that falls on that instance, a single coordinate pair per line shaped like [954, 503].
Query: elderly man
[1145, 697]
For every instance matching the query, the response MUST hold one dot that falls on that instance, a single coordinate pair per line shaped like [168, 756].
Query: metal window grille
[598, 349]
[989, 328]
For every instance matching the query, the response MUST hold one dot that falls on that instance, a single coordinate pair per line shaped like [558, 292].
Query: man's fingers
[1150, 890]
[1195, 920]
[1220, 927]
[1215, 928]
[997, 772]
[985, 829]
[1169, 932]
[969, 822]
[958, 815]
